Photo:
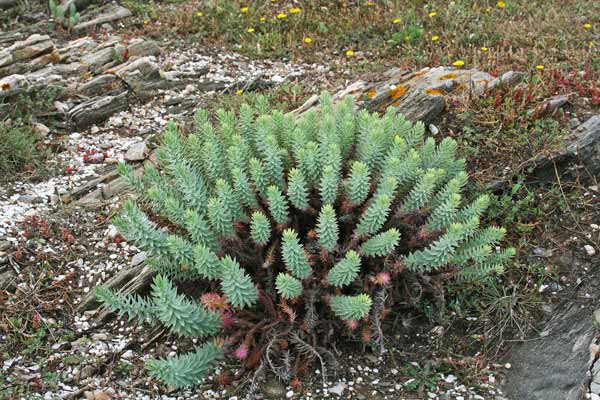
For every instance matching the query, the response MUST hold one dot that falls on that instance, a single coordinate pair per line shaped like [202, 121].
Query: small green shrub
[65, 16]
[287, 225]
[17, 147]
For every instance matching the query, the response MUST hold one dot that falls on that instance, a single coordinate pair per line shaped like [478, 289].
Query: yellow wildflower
[432, 14]
[501, 4]
[349, 53]
[484, 49]
[295, 10]
[239, 92]
[281, 16]
[396, 21]
[307, 40]
[539, 67]
[369, 4]
[199, 14]
[244, 10]
[250, 30]
[435, 38]
[146, 22]
[590, 45]
[263, 19]
[458, 63]
[488, 10]
[587, 26]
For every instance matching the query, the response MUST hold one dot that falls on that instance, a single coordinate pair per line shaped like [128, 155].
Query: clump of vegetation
[67, 17]
[17, 147]
[297, 232]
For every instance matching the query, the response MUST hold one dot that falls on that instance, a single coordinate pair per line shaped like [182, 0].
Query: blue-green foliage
[265, 204]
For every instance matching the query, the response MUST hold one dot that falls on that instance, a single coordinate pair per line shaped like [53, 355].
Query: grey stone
[112, 13]
[137, 152]
[273, 389]
[555, 366]
[549, 106]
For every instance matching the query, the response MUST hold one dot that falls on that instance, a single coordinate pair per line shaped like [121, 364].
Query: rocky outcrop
[559, 363]
[90, 80]
[581, 147]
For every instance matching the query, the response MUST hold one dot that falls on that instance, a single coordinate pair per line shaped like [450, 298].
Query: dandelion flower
[263, 19]
[435, 38]
[281, 16]
[199, 14]
[349, 53]
[458, 63]
[501, 4]
[250, 30]
[396, 21]
[295, 10]
[307, 40]
[244, 10]
[587, 26]
[239, 92]
[484, 49]
[432, 14]
[539, 67]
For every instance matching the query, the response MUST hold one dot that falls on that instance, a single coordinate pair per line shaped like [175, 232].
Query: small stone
[40, 129]
[100, 336]
[507, 366]
[137, 152]
[289, 394]
[450, 379]
[338, 389]
[127, 354]
[589, 250]
[433, 129]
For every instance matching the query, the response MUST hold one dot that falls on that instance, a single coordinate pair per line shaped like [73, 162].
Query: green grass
[18, 149]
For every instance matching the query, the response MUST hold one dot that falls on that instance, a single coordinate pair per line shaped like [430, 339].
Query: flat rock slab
[556, 364]
[583, 145]
[114, 12]
[420, 95]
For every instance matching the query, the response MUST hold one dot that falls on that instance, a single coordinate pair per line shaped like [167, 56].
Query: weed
[18, 149]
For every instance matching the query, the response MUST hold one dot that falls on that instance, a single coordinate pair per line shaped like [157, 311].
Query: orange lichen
[371, 93]
[398, 92]
[434, 92]
[446, 77]
[6, 86]
[396, 103]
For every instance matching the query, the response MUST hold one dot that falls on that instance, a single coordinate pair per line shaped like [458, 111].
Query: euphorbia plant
[297, 231]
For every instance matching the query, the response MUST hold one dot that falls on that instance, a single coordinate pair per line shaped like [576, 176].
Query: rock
[100, 85]
[554, 366]
[549, 106]
[142, 75]
[582, 145]
[137, 152]
[338, 389]
[40, 129]
[27, 49]
[97, 109]
[273, 389]
[138, 259]
[100, 336]
[111, 13]
[597, 317]
[7, 278]
[589, 249]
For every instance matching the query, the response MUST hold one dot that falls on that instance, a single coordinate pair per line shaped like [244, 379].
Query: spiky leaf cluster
[298, 219]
